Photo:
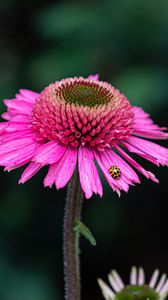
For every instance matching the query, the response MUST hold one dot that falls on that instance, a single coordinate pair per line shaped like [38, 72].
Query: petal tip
[21, 181]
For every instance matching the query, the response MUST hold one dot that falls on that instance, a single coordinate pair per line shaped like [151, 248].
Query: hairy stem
[71, 239]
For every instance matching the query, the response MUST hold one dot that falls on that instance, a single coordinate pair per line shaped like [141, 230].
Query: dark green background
[126, 42]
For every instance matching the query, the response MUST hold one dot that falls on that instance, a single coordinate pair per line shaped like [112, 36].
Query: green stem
[71, 239]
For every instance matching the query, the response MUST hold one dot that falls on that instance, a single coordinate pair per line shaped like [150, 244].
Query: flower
[137, 289]
[80, 120]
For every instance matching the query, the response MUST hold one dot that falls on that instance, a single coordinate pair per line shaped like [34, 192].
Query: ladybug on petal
[115, 172]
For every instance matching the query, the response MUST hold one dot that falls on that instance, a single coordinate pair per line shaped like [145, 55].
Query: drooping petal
[49, 153]
[20, 156]
[109, 158]
[132, 149]
[61, 171]
[20, 118]
[51, 175]
[126, 171]
[89, 177]
[104, 163]
[13, 145]
[146, 173]
[150, 149]
[3, 126]
[20, 106]
[6, 116]
[27, 95]
[17, 126]
[66, 166]
[30, 171]
[145, 127]
[11, 136]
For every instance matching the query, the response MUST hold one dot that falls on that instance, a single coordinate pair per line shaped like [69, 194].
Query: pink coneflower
[137, 289]
[79, 121]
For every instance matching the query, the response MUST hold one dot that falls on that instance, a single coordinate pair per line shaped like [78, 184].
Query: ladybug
[115, 172]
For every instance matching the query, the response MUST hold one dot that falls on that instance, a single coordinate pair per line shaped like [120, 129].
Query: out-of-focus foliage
[125, 41]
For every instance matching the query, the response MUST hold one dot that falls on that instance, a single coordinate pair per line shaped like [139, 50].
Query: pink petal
[49, 153]
[132, 149]
[93, 77]
[147, 174]
[19, 106]
[127, 172]
[110, 158]
[51, 175]
[30, 171]
[145, 127]
[28, 95]
[104, 162]
[20, 118]
[16, 165]
[12, 112]
[155, 134]
[67, 166]
[159, 153]
[89, 177]
[6, 116]
[3, 126]
[17, 126]
[5, 137]
[61, 171]
[19, 156]
[13, 145]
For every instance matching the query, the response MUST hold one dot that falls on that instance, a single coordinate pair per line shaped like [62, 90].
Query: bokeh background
[126, 42]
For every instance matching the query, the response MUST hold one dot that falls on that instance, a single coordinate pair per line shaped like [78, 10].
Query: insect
[115, 172]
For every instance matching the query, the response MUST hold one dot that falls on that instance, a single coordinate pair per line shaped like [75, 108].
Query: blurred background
[126, 42]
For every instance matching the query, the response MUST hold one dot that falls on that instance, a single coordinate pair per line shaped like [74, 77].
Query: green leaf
[82, 229]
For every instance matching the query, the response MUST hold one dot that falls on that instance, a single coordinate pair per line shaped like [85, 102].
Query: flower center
[82, 111]
[86, 94]
[136, 292]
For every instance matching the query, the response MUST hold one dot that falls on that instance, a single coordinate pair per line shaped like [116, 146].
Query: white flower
[137, 289]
